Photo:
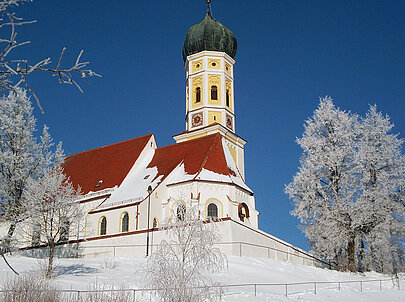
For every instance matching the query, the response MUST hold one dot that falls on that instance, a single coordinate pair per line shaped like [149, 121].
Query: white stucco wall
[237, 239]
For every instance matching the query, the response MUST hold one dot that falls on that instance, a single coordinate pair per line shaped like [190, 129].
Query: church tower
[208, 52]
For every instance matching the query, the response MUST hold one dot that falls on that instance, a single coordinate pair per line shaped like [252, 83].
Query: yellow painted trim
[187, 97]
[196, 136]
[206, 207]
[120, 223]
[85, 222]
[233, 153]
[231, 139]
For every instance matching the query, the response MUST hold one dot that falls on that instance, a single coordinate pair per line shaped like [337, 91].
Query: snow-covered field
[80, 274]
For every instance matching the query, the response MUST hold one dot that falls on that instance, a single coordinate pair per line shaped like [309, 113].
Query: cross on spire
[208, 7]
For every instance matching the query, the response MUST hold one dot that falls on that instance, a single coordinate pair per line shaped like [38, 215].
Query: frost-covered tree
[348, 192]
[22, 157]
[323, 189]
[14, 70]
[180, 268]
[379, 211]
[51, 209]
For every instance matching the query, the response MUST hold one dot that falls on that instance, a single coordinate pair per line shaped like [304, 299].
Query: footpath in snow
[125, 272]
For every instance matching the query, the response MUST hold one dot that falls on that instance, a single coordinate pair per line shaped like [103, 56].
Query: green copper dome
[209, 35]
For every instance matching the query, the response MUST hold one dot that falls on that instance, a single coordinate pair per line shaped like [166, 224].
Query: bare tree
[14, 71]
[180, 268]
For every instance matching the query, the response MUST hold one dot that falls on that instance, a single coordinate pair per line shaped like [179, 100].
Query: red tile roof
[205, 152]
[110, 164]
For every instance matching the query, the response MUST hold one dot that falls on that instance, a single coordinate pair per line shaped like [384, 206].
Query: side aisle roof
[109, 164]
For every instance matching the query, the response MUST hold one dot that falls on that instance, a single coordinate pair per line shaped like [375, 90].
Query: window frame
[102, 229]
[123, 216]
[181, 212]
[198, 95]
[214, 92]
[155, 223]
[210, 207]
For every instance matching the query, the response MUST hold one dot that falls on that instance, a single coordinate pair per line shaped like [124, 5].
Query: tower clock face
[197, 120]
[229, 122]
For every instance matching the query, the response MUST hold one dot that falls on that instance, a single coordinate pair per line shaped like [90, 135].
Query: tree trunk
[361, 257]
[49, 270]
[351, 265]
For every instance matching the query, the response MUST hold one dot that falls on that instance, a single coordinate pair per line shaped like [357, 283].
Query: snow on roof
[207, 158]
[121, 165]
[134, 188]
[236, 177]
[109, 164]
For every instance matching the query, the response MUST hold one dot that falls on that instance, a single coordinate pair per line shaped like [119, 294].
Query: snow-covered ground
[80, 274]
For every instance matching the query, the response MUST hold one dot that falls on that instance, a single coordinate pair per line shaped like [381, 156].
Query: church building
[133, 187]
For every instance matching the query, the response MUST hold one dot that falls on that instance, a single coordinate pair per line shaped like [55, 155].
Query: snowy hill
[79, 274]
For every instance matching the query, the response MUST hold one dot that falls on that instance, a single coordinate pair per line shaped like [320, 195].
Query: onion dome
[209, 35]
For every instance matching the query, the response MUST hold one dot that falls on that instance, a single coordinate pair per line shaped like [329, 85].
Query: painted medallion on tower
[197, 119]
[229, 121]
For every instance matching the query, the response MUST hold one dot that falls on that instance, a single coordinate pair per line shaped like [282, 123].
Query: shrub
[30, 287]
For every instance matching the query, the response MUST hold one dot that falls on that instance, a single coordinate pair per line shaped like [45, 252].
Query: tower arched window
[198, 95]
[212, 211]
[103, 226]
[181, 212]
[214, 92]
[228, 101]
[125, 222]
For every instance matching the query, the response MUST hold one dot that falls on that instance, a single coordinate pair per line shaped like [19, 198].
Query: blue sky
[290, 53]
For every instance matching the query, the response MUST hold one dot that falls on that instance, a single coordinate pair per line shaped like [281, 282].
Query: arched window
[228, 102]
[214, 92]
[155, 223]
[181, 212]
[198, 95]
[64, 231]
[125, 222]
[243, 211]
[36, 235]
[103, 226]
[212, 211]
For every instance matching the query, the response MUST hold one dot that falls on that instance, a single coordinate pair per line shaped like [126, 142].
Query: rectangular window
[214, 93]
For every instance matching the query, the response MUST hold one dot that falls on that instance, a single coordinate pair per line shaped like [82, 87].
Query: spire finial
[208, 7]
